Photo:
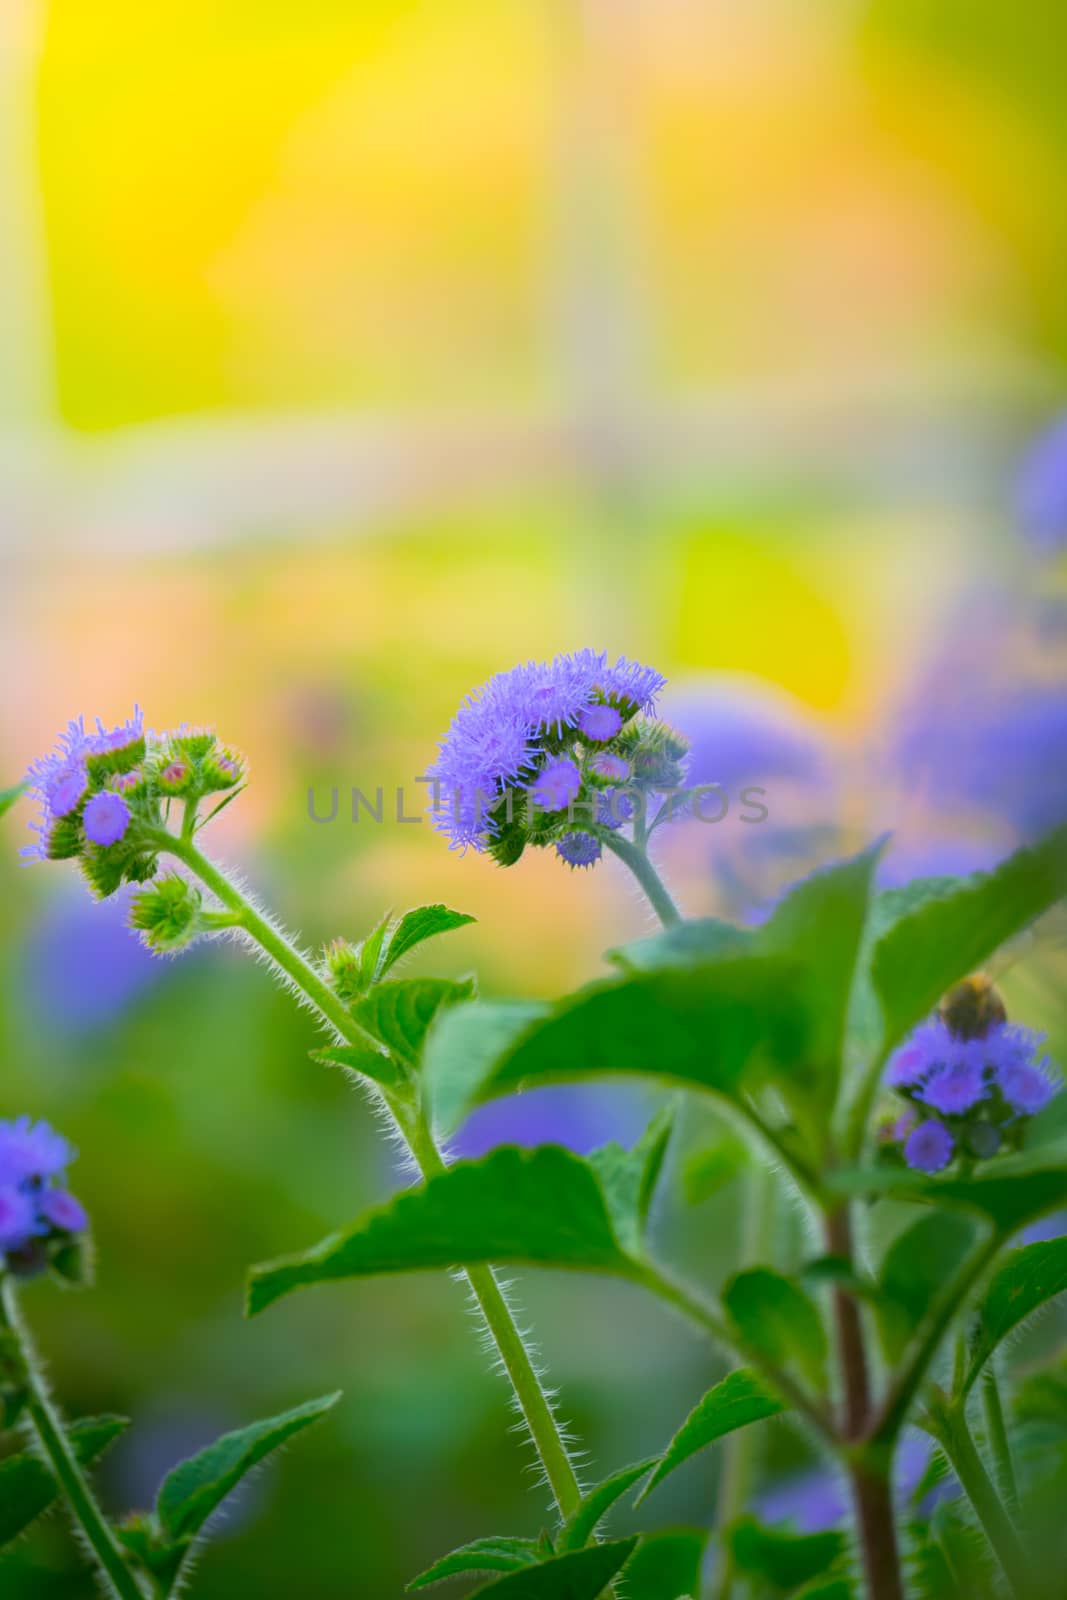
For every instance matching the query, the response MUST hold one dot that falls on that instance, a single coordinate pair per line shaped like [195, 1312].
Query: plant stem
[872, 1495]
[951, 1425]
[533, 1402]
[997, 1434]
[739, 1449]
[639, 864]
[870, 1471]
[52, 1436]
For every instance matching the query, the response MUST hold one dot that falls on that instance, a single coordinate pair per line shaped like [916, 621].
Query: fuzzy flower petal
[929, 1148]
[928, 1048]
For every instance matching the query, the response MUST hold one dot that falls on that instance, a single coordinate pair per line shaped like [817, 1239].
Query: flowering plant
[802, 1031]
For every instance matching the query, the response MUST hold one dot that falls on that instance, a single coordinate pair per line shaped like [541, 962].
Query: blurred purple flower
[998, 754]
[928, 1047]
[1041, 490]
[31, 1151]
[929, 1148]
[818, 1500]
[939, 855]
[19, 1221]
[83, 966]
[599, 722]
[741, 729]
[577, 1116]
[957, 1085]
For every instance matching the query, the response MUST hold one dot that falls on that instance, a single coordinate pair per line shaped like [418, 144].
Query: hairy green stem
[999, 1443]
[739, 1449]
[950, 1424]
[639, 864]
[532, 1400]
[52, 1436]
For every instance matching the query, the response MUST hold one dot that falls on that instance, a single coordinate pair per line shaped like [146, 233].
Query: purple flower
[1042, 488]
[498, 733]
[106, 818]
[579, 849]
[958, 1084]
[18, 1218]
[556, 785]
[81, 969]
[929, 1148]
[1026, 1087]
[613, 808]
[928, 1048]
[31, 1151]
[599, 723]
[62, 1210]
[60, 781]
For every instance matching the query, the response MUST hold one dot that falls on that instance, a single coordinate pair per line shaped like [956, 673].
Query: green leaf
[740, 1399]
[666, 1566]
[193, 1490]
[820, 925]
[399, 1013]
[9, 796]
[542, 1206]
[712, 1027]
[947, 938]
[365, 1061]
[686, 944]
[484, 1555]
[582, 1524]
[776, 1318]
[711, 1166]
[27, 1487]
[786, 1560]
[1031, 1276]
[1016, 1193]
[370, 952]
[463, 1044]
[918, 1265]
[425, 922]
[628, 1177]
[580, 1575]
[837, 1587]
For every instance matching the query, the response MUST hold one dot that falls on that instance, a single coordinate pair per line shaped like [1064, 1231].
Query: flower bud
[167, 914]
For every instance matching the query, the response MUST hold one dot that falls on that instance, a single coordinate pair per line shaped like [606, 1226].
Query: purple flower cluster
[519, 731]
[34, 1201]
[61, 782]
[971, 1094]
[103, 795]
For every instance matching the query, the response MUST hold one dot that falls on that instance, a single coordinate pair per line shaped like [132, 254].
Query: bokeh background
[351, 353]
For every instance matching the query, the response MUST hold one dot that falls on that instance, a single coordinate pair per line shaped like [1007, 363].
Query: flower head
[579, 849]
[599, 722]
[959, 1083]
[525, 733]
[929, 1147]
[19, 1221]
[556, 785]
[1027, 1087]
[930, 1047]
[31, 1151]
[1042, 488]
[106, 818]
[34, 1203]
